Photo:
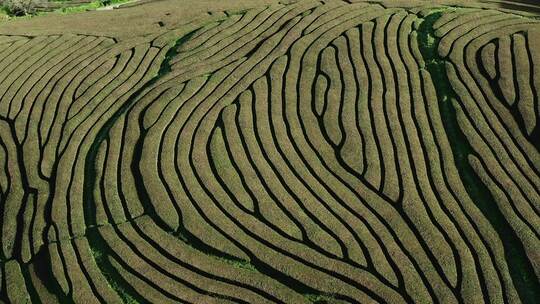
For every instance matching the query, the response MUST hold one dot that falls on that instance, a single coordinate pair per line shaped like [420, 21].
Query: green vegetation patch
[81, 8]
[30, 8]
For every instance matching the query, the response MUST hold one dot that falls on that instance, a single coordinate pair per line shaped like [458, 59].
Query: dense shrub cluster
[19, 7]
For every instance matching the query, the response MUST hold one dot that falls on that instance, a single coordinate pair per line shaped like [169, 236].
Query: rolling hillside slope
[272, 152]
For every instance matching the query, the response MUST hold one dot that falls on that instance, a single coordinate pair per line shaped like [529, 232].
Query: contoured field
[292, 152]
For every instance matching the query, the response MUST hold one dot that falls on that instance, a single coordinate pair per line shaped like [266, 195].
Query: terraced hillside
[292, 152]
